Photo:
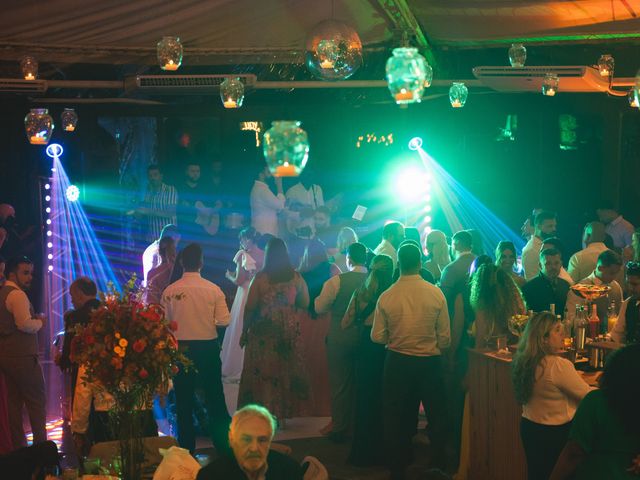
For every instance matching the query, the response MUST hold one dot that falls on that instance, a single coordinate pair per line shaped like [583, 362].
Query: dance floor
[301, 434]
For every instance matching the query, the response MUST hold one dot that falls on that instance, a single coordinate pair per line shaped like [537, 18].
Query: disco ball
[334, 51]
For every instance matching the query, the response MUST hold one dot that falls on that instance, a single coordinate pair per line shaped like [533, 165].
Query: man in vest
[19, 353]
[341, 344]
[627, 329]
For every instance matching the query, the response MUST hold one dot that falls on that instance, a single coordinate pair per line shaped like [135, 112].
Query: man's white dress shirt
[619, 332]
[621, 232]
[19, 306]
[330, 289]
[197, 305]
[531, 257]
[583, 263]
[264, 208]
[311, 197]
[386, 248]
[411, 318]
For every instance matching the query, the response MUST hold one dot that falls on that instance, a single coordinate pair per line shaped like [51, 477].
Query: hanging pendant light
[458, 93]
[605, 65]
[408, 73]
[517, 55]
[550, 84]
[286, 148]
[29, 67]
[169, 51]
[38, 126]
[69, 119]
[232, 92]
[333, 51]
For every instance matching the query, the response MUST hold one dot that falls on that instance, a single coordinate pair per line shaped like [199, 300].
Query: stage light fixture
[72, 193]
[415, 143]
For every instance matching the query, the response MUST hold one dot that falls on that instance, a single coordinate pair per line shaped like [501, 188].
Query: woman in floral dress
[273, 374]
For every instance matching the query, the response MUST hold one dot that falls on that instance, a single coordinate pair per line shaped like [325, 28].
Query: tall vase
[127, 422]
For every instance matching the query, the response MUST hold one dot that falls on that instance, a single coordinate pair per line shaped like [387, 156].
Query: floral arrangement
[517, 323]
[128, 347]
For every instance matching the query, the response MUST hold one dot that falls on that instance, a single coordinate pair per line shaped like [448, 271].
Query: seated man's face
[250, 442]
[551, 266]
[321, 220]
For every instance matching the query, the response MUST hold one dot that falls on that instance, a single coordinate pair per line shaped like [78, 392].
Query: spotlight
[47, 198]
[411, 184]
[47, 186]
[415, 143]
[50, 245]
[72, 193]
[50, 256]
[49, 233]
[54, 150]
[48, 209]
[50, 268]
[48, 221]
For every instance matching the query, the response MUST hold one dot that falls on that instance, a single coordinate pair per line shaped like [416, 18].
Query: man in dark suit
[547, 288]
[250, 434]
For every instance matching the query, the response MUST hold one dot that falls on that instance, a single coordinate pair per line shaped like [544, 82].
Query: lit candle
[456, 103]
[29, 76]
[326, 63]
[404, 95]
[230, 103]
[69, 128]
[286, 170]
[36, 140]
[170, 66]
[604, 72]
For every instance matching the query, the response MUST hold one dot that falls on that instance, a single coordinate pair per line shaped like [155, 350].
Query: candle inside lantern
[326, 63]
[286, 170]
[604, 72]
[230, 103]
[36, 140]
[456, 104]
[550, 92]
[404, 95]
[29, 76]
[170, 66]
[69, 128]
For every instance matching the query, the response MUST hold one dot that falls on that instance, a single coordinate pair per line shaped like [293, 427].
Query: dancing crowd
[322, 325]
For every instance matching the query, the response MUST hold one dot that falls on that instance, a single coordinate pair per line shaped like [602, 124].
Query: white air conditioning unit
[529, 79]
[17, 85]
[181, 84]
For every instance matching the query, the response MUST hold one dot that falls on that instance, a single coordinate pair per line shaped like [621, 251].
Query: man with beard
[250, 435]
[545, 225]
[547, 288]
[19, 353]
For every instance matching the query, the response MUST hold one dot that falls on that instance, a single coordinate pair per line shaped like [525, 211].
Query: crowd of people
[322, 325]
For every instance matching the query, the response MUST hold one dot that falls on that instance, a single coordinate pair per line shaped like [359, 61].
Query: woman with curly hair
[604, 441]
[494, 298]
[549, 390]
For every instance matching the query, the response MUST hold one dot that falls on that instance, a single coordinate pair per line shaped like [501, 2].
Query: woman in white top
[549, 389]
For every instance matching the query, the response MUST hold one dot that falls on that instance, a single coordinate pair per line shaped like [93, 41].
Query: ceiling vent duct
[529, 79]
[181, 84]
[16, 85]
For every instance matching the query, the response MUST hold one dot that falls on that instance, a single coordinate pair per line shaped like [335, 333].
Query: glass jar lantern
[169, 51]
[517, 55]
[408, 73]
[606, 64]
[550, 84]
[333, 51]
[458, 93]
[232, 92]
[29, 67]
[69, 119]
[38, 126]
[286, 148]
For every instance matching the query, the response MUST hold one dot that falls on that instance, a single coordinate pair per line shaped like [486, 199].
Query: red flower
[139, 346]
[143, 373]
[174, 369]
[173, 325]
[90, 339]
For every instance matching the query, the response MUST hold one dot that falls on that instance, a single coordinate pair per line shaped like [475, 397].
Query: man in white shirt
[627, 328]
[160, 202]
[19, 353]
[545, 225]
[198, 306]
[582, 263]
[456, 274]
[342, 343]
[620, 229]
[411, 319]
[392, 237]
[305, 193]
[265, 206]
[607, 269]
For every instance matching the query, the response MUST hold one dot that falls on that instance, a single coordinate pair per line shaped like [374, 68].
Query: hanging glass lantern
[408, 73]
[232, 92]
[38, 126]
[632, 96]
[458, 93]
[29, 67]
[169, 51]
[333, 51]
[550, 84]
[286, 148]
[517, 55]
[605, 65]
[69, 119]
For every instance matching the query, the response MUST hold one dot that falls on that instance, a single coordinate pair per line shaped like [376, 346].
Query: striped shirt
[163, 203]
